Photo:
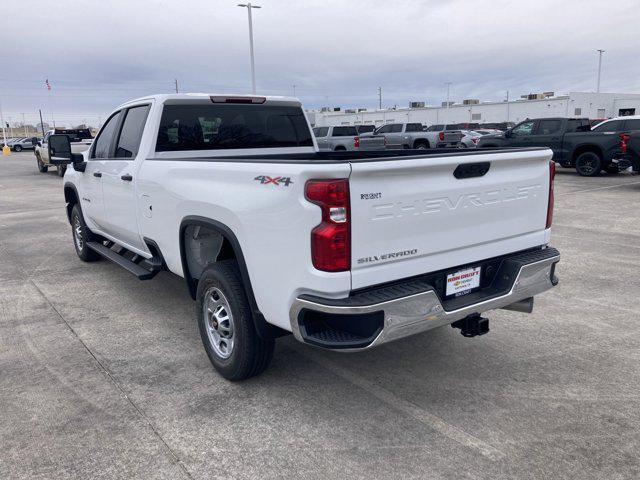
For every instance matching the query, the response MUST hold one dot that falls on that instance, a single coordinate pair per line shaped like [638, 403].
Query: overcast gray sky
[99, 54]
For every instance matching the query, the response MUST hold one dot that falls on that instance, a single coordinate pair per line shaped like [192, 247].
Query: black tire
[61, 170]
[81, 235]
[463, 145]
[42, 168]
[249, 354]
[589, 164]
[421, 145]
[17, 148]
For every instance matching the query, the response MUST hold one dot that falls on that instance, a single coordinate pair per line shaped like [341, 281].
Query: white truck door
[90, 181]
[118, 182]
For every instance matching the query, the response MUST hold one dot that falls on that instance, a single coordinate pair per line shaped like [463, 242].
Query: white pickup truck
[346, 250]
[80, 139]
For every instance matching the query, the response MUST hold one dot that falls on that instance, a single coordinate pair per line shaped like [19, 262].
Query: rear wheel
[226, 325]
[17, 148]
[42, 168]
[420, 145]
[589, 164]
[81, 235]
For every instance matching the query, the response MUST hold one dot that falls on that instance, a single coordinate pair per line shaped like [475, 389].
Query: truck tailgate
[412, 216]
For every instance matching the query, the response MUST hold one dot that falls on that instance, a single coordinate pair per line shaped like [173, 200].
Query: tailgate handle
[471, 170]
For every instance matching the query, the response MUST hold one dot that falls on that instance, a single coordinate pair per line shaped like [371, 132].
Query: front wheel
[226, 325]
[81, 235]
[42, 168]
[589, 164]
[17, 148]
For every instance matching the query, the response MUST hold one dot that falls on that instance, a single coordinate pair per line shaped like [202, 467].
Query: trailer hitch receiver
[472, 326]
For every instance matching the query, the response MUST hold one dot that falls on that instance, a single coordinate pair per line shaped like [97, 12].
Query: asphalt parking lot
[103, 376]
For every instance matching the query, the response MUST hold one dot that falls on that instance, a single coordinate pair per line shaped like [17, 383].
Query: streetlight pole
[248, 6]
[448, 84]
[294, 89]
[600, 52]
[380, 98]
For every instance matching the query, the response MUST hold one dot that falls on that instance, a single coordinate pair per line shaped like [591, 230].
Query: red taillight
[331, 239]
[356, 142]
[441, 136]
[552, 175]
[474, 140]
[385, 141]
[624, 139]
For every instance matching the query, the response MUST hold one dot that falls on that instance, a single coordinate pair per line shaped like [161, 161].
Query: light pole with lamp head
[248, 6]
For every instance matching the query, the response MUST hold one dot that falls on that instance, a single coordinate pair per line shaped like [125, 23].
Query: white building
[576, 104]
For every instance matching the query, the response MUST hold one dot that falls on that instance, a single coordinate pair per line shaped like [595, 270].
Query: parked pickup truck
[80, 139]
[571, 140]
[335, 139]
[346, 250]
[396, 136]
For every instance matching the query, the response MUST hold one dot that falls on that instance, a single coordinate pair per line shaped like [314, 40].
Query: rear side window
[435, 128]
[131, 132]
[220, 127]
[321, 131]
[105, 137]
[611, 126]
[344, 132]
[632, 124]
[413, 127]
[549, 127]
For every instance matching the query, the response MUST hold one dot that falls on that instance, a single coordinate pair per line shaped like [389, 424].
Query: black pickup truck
[573, 142]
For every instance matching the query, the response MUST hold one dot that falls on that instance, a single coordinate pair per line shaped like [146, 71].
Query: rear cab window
[202, 126]
[344, 132]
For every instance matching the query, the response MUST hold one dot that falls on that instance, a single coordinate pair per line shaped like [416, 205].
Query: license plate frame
[462, 282]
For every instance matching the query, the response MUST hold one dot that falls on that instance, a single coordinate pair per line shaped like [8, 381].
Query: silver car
[459, 139]
[21, 144]
[335, 139]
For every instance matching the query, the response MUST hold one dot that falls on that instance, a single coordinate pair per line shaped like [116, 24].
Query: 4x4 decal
[277, 181]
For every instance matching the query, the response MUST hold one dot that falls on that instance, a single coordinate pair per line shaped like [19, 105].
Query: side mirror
[59, 149]
[508, 133]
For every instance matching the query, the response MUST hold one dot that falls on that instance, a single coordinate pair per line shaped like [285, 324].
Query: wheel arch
[230, 248]
[584, 148]
[71, 197]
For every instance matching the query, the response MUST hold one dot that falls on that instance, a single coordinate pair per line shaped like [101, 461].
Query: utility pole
[41, 122]
[380, 98]
[10, 128]
[448, 84]
[25, 126]
[507, 106]
[600, 52]
[248, 6]
[176, 82]
[4, 132]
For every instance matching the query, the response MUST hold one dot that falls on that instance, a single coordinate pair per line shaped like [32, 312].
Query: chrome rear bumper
[422, 311]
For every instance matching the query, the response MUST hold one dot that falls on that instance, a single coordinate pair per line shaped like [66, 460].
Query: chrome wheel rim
[77, 233]
[218, 322]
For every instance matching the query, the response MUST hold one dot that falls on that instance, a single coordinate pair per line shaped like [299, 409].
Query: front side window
[549, 127]
[524, 128]
[105, 137]
[131, 132]
[396, 128]
[231, 126]
[385, 129]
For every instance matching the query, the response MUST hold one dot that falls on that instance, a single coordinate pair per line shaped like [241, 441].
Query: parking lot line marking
[408, 408]
[598, 188]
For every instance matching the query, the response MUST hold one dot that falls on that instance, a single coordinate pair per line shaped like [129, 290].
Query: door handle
[97, 174]
[126, 178]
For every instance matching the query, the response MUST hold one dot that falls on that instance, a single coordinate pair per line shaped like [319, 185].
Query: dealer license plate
[463, 281]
